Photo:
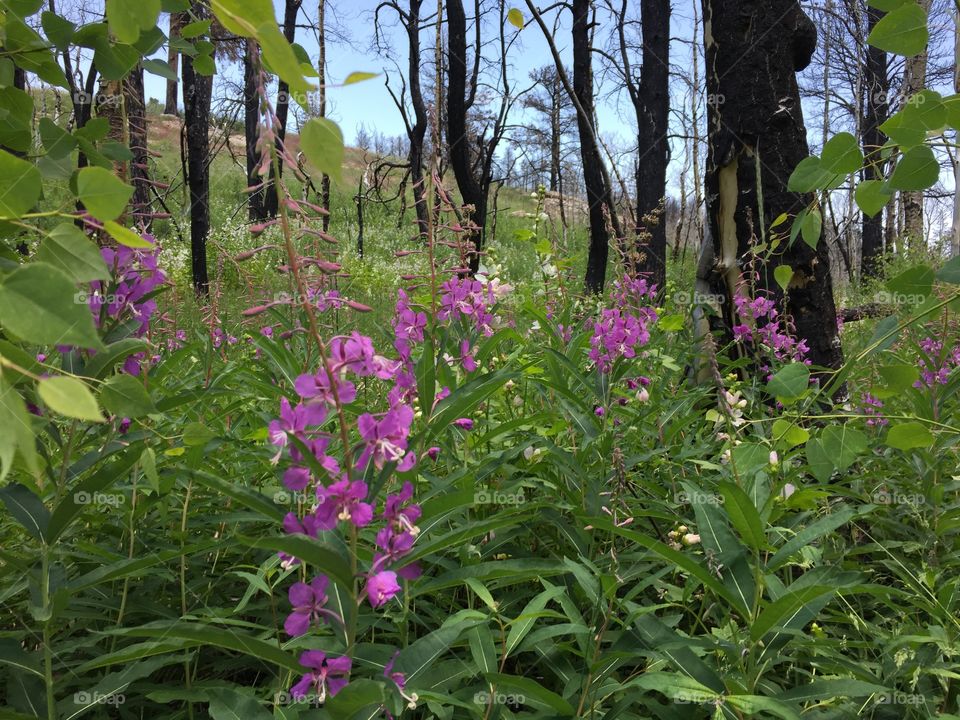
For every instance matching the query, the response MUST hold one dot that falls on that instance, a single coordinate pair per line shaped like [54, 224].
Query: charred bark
[135, 104]
[251, 127]
[653, 117]
[876, 88]
[597, 184]
[756, 131]
[472, 192]
[197, 91]
[417, 132]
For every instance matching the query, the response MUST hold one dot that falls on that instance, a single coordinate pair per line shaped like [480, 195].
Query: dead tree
[756, 139]
[876, 91]
[197, 90]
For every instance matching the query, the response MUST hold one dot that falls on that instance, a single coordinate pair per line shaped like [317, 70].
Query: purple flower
[318, 386]
[433, 453]
[293, 421]
[464, 423]
[398, 678]
[386, 439]
[382, 587]
[307, 601]
[343, 501]
[327, 675]
[356, 354]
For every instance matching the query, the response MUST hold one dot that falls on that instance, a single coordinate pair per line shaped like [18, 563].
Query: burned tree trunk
[251, 127]
[876, 89]
[458, 104]
[197, 91]
[418, 131]
[756, 139]
[135, 105]
[595, 179]
[271, 200]
[173, 60]
[653, 117]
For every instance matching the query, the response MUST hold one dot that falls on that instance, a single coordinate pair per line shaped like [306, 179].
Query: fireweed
[761, 324]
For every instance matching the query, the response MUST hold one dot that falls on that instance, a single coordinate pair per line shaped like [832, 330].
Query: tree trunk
[876, 90]
[173, 60]
[756, 132]
[137, 132]
[271, 199]
[251, 129]
[955, 235]
[914, 78]
[599, 197]
[196, 111]
[322, 72]
[653, 118]
[471, 191]
[419, 129]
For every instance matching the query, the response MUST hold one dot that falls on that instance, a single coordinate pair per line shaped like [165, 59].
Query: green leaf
[925, 111]
[743, 515]
[819, 462]
[358, 76]
[950, 272]
[57, 141]
[841, 154]
[230, 704]
[358, 695]
[918, 169]
[58, 30]
[839, 516]
[12, 655]
[515, 18]
[160, 68]
[899, 377]
[809, 175]
[912, 286]
[127, 18]
[533, 692]
[525, 621]
[871, 197]
[70, 397]
[40, 304]
[196, 29]
[909, 435]
[754, 704]
[790, 382]
[16, 132]
[20, 186]
[103, 194]
[322, 556]
[125, 236]
[124, 396]
[783, 274]
[904, 133]
[902, 31]
[787, 434]
[783, 610]
[322, 143]
[70, 251]
[27, 509]
[676, 687]
[17, 432]
[844, 444]
[811, 227]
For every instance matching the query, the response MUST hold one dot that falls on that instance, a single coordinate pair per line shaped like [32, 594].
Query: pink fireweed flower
[343, 501]
[293, 421]
[381, 587]
[433, 453]
[466, 357]
[327, 675]
[399, 514]
[464, 423]
[386, 439]
[307, 601]
[618, 334]
[317, 387]
[356, 354]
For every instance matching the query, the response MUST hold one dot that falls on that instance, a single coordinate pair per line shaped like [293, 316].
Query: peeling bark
[756, 131]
